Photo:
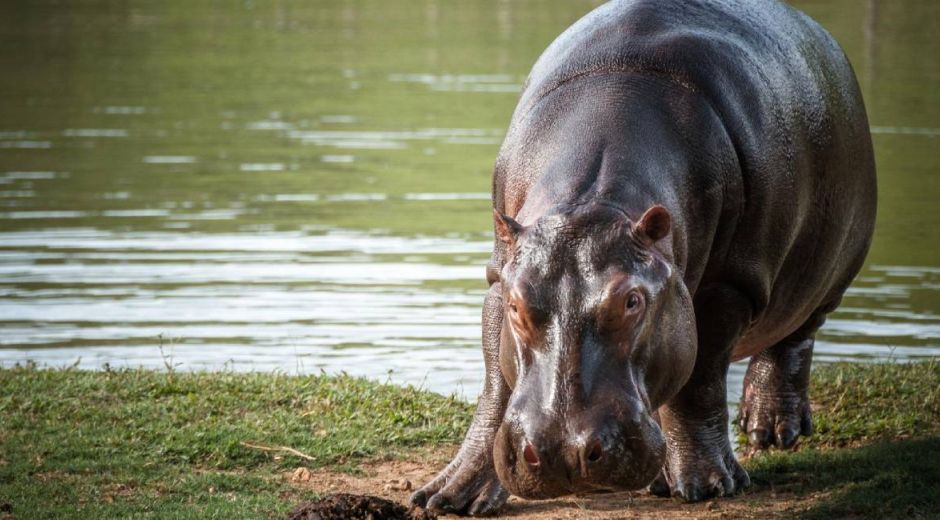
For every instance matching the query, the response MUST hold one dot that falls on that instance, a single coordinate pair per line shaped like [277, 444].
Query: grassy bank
[142, 443]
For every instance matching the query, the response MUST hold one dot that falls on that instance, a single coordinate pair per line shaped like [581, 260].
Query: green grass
[882, 480]
[888, 415]
[864, 403]
[136, 443]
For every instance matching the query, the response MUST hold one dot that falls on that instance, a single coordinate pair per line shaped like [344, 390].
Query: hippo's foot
[775, 407]
[693, 478]
[467, 486]
[774, 419]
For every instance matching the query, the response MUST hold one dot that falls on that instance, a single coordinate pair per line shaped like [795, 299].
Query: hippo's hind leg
[469, 485]
[775, 406]
[700, 462]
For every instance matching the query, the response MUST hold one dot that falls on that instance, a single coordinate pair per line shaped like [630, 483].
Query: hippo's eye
[633, 301]
[512, 308]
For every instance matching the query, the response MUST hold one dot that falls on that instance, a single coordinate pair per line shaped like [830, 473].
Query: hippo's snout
[546, 457]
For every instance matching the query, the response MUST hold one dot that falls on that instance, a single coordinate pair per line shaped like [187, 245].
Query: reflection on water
[306, 187]
[278, 300]
[349, 301]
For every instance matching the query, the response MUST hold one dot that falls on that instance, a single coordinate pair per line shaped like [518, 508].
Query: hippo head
[598, 332]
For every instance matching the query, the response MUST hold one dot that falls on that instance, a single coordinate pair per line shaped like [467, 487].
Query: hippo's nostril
[530, 455]
[594, 451]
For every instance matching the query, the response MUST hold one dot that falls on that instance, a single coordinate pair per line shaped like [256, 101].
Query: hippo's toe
[660, 487]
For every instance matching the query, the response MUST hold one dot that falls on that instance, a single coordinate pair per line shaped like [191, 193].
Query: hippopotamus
[683, 184]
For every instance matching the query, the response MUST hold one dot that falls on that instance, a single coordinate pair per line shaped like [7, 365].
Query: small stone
[398, 485]
[301, 475]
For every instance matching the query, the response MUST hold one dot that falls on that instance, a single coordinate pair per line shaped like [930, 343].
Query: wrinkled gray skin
[683, 184]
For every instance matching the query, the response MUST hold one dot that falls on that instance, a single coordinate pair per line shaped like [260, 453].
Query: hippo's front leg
[469, 485]
[700, 462]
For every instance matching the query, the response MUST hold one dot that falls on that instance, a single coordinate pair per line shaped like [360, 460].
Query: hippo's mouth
[626, 462]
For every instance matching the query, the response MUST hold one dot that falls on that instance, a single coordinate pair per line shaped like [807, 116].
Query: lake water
[304, 186]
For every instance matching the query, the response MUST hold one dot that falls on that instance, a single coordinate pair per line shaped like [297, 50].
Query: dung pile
[356, 507]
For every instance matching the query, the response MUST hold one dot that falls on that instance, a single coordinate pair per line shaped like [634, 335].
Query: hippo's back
[790, 104]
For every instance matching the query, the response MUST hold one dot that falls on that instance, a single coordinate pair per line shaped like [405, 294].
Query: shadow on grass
[886, 480]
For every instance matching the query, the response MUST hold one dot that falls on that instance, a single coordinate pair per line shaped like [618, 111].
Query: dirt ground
[386, 478]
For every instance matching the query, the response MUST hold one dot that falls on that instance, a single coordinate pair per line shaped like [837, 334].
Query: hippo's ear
[507, 229]
[653, 225]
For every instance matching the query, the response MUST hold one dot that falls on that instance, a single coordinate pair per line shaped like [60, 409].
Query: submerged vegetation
[196, 445]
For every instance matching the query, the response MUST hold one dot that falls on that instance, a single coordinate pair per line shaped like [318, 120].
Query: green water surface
[304, 185]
